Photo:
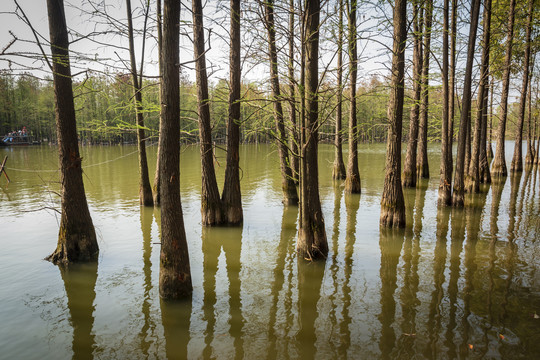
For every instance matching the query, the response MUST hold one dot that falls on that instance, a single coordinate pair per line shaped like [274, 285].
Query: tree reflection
[334, 266]
[148, 327]
[213, 240]
[310, 275]
[80, 282]
[284, 252]
[176, 320]
[390, 242]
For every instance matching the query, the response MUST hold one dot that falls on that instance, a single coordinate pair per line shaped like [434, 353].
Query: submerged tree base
[392, 216]
[409, 179]
[75, 246]
[338, 171]
[353, 184]
[498, 171]
[290, 195]
[174, 285]
[312, 244]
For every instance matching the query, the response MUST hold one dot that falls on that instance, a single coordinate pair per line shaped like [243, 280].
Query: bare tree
[156, 187]
[77, 237]
[498, 168]
[174, 272]
[338, 170]
[445, 183]
[392, 201]
[312, 243]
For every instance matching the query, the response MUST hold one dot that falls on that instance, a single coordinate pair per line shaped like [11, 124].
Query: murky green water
[462, 283]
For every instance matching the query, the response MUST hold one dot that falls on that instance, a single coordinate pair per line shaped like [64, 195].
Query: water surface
[454, 283]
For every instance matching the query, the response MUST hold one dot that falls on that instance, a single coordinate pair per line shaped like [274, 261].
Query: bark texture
[458, 194]
[290, 195]
[174, 271]
[352, 180]
[445, 183]
[211, 207]
[156, 186]
[392, 202]
[517, 160]
[498, 168]
[338, 170]
[474, 177]
[409, 171]
[232, 197]
[312, 243]
[422, 164]
[77, 237]
[145, 189]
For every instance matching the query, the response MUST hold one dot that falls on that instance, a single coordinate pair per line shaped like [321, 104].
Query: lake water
[454, 283]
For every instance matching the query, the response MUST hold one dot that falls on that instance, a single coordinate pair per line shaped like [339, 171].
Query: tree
[290, 195]
[295, 162]
[77, 237]
[458, 194]
[517, 160]
[211, 207]
[422, 164]
[352, 181]
[392, 202]
[409, 171]
[145, 190]
[445, 184]
[174, 273]
[473, 174]
[312, 243]
[498, 168]
[338, 171]
[156, 188]
[231, 197]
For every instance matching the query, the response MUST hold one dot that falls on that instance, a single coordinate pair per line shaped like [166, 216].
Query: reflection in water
[334, 266]
[285, 254]
[79, 282]
[310, 275]
[213, 240]
[176, 320]
[148, 328]
[390, 242]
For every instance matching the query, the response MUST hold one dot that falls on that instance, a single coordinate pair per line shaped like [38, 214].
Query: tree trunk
[211, 207]
[290, 195]
[77, 237]
[489, 149]
[422, 165]
[338, 171]
[452, 85]
[409, 171]
[174, 272]
[392, 202]
[458, 195]
[485, 174]
[232, 198]
[145, 189]
[445, 184]
[498, 168]
[156, 187]
[517, 160]
[474, 177]
[312, 243]
[530, 157]
[352, 181]
[295, 156]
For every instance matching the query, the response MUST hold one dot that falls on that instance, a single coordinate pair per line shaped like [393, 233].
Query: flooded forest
[279, 179]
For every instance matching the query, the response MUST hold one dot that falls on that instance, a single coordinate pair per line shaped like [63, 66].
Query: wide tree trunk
[174, 271]
[409, 171]
[498, 168]
[474, 177]
[517, 160]
[312, 243]
[392, 202]
[295, 137]
[290, 195]
[211, 207]
[445, 183]
[232, 198]
[77, 237]
[156, 187]
[352, 180]
[458, 195]
[145, 189]
[338, 170]
[422, 164]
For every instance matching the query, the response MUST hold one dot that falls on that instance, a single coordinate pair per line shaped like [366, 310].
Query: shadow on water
[80, 282]
[230, 240]
[282, 276]
[390, 243]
